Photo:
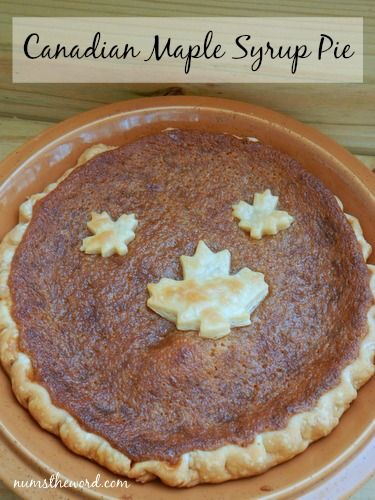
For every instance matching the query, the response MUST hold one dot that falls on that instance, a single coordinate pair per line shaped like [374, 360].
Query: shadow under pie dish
[119, 383]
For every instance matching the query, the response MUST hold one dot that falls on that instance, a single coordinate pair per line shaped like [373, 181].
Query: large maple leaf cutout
[110, 237]
[261, 217]
[208, 298]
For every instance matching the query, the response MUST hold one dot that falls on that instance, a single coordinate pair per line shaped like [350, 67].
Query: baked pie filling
[155, 354]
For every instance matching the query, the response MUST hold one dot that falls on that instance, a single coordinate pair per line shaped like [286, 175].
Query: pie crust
[222, 464]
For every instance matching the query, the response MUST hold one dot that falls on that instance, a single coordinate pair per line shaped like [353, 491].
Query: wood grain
[16, 131]
[344, 111]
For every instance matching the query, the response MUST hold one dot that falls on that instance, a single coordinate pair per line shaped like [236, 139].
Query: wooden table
[344, 112]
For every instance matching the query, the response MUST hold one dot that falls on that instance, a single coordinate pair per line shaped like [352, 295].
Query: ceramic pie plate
[336, 465]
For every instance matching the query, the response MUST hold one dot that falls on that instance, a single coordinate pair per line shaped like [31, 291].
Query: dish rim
[16, 161]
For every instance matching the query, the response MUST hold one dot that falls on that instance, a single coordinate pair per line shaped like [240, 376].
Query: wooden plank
[343, 111]
[332, 104]
[367, 492]
[6, 494]
[16, 131]
[369, 161]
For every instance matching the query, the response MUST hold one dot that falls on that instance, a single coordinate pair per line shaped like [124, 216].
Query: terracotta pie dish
[185, 387]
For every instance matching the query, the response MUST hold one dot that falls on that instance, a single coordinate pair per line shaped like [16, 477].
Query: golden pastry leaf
[261, 217]
[208, 298]
[109, 237]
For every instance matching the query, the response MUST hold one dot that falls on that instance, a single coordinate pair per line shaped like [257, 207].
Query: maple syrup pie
[191, 306]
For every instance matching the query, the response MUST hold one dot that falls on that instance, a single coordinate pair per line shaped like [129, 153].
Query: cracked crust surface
[227, 462]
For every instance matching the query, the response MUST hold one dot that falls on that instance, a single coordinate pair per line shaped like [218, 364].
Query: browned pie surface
[123, 371]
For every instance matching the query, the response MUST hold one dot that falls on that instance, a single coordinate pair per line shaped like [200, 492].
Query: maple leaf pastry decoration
[262, 218]
[208, 298]
[109, 237]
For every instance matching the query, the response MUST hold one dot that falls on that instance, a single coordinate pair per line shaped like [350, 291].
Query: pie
[118, 381]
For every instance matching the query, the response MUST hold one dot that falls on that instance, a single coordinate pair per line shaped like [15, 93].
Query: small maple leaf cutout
[261, 217]
[208, 299]
[110, 236]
